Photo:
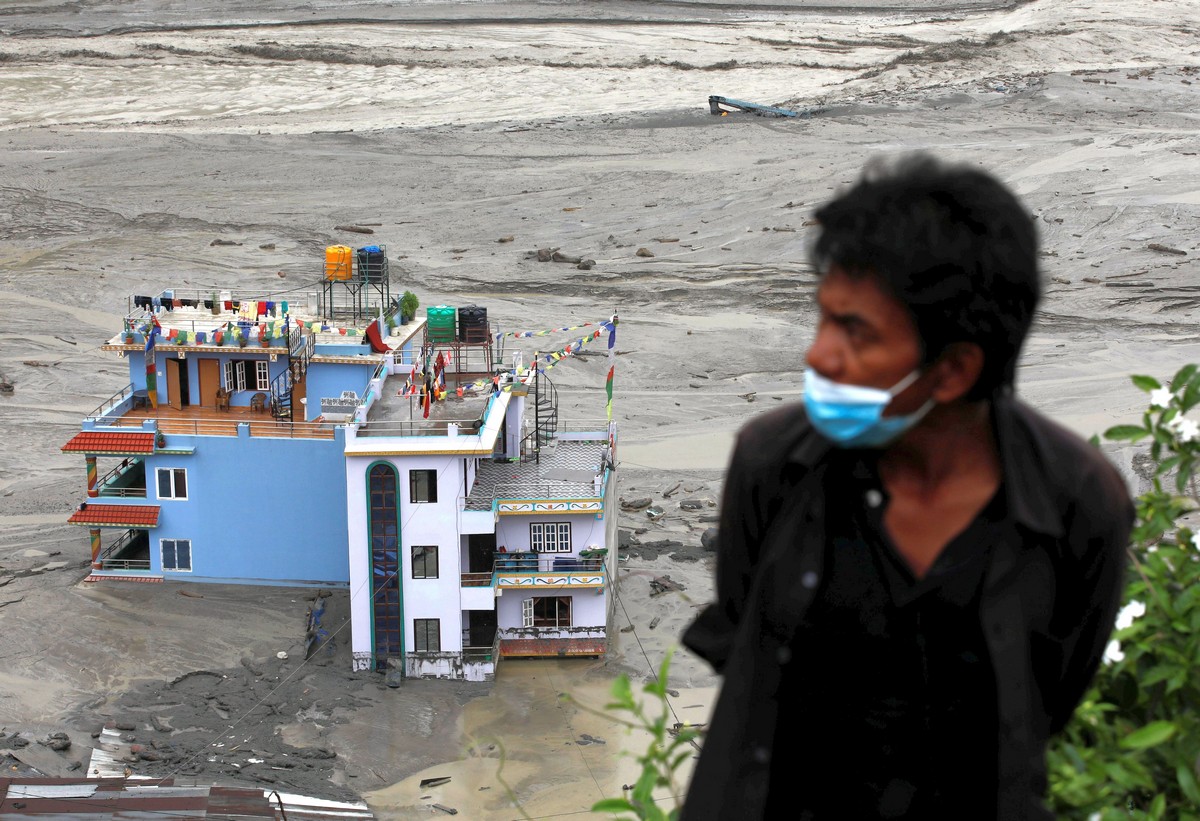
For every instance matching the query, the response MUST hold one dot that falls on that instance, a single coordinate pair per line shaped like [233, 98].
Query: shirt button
[783, 655]
[874, 498]
[809, 580]
[762, 755]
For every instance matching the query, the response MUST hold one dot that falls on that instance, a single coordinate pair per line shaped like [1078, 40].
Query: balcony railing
[120, 546]
[112, 402]
[534, 564]
[491, 653]
[265, 427]
[106, 486]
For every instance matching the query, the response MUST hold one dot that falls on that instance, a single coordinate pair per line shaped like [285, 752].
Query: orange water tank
[339, 265]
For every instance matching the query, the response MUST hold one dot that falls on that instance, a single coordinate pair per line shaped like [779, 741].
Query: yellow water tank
[339, 264]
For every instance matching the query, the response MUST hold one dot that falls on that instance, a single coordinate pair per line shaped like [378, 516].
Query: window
[177, 554]
[385, 560]
[247, 375]
[172, 483]
[546, 611]
[427, 635]
[424, 562]
[422, 485]
[550, 537]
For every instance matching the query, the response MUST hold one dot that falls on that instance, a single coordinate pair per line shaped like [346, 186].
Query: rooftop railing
[112, 402]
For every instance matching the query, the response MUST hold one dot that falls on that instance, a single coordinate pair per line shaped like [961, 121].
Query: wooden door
[174, 385]
[210, 380]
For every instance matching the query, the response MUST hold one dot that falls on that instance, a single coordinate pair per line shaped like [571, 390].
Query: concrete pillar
[96, 563]
[92, 490]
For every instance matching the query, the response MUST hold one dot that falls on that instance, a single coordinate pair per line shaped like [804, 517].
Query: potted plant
[241, 338]
[265, 340]
[409, 305]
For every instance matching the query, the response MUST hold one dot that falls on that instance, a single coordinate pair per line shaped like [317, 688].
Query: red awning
[110, 442]
[115, 515]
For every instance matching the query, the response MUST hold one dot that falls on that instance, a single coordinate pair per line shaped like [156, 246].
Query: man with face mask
[916, 572]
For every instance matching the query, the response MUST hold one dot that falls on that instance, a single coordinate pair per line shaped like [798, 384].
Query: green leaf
[1153, 734]
[613, 805]
[621, 691]
[1126, 432]
[1183, 377]
[1167, 464]
[1187, 783]
[1191, 395]
[1146, 383]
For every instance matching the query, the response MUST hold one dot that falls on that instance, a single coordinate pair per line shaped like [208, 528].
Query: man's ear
[958, 368]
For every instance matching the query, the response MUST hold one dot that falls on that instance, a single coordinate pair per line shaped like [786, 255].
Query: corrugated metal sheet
[120, 799]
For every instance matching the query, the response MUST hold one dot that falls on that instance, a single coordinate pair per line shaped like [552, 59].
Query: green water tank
[440, 323]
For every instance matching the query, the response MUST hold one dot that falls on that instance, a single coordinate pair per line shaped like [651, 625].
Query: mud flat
[112, 188]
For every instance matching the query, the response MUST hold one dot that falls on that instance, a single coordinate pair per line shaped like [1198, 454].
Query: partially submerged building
[298, 443]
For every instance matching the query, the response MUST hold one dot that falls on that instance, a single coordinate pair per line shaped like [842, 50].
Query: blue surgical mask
[851, 416]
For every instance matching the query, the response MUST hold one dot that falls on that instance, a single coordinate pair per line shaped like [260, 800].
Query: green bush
[1132, 751]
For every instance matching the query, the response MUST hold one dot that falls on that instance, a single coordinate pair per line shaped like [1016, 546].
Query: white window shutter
[527, 612]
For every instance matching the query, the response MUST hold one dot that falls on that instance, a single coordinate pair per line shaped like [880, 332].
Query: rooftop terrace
[567, 470]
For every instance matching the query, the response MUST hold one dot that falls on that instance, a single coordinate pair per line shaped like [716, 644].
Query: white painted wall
[423, 523]
[586, 529]
[588, 609]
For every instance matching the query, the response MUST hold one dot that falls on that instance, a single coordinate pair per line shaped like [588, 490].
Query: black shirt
[889, 693]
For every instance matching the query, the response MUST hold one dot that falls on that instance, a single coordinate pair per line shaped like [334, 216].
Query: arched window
[384, 530]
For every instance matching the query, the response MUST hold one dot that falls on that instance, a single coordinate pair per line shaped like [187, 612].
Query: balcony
[535, 570]
[126, 481]
[130, 552]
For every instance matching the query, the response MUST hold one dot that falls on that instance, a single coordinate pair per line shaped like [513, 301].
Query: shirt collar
[1028, 489]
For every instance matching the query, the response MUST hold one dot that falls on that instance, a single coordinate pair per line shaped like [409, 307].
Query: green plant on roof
[409, 304]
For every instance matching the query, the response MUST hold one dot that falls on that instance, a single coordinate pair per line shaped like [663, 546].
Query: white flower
[1187, 430]
[1185, 539]
[1112, 653]
[1094, 817]
[1160, 397]
[1130, 612]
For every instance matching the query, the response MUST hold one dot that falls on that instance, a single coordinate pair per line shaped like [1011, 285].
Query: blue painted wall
[137, 368]
[329, 380]
[259, 509]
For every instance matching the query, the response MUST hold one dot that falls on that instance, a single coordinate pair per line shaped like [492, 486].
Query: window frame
[421, 630]
[550, 537]
[431, 476]
[158, 472]
[541, 603]
[430, 550]
[237, 378]
[162, 555]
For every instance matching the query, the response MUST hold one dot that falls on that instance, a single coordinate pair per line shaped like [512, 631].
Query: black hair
[951, 243]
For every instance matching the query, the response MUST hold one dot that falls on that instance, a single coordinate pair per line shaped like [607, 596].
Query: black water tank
[372, 264]
[472, 324]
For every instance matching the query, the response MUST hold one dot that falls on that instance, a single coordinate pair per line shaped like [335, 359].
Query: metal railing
[112, 402]
[419, 427]
[126, 564]
[543, 490]
[266, 428]
[524, 564]
[491, 653]
[126, 465]
[123, 492]
[120, 545]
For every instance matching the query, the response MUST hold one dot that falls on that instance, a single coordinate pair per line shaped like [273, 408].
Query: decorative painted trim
[551, 580]
[471, 452]
[529, 507]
